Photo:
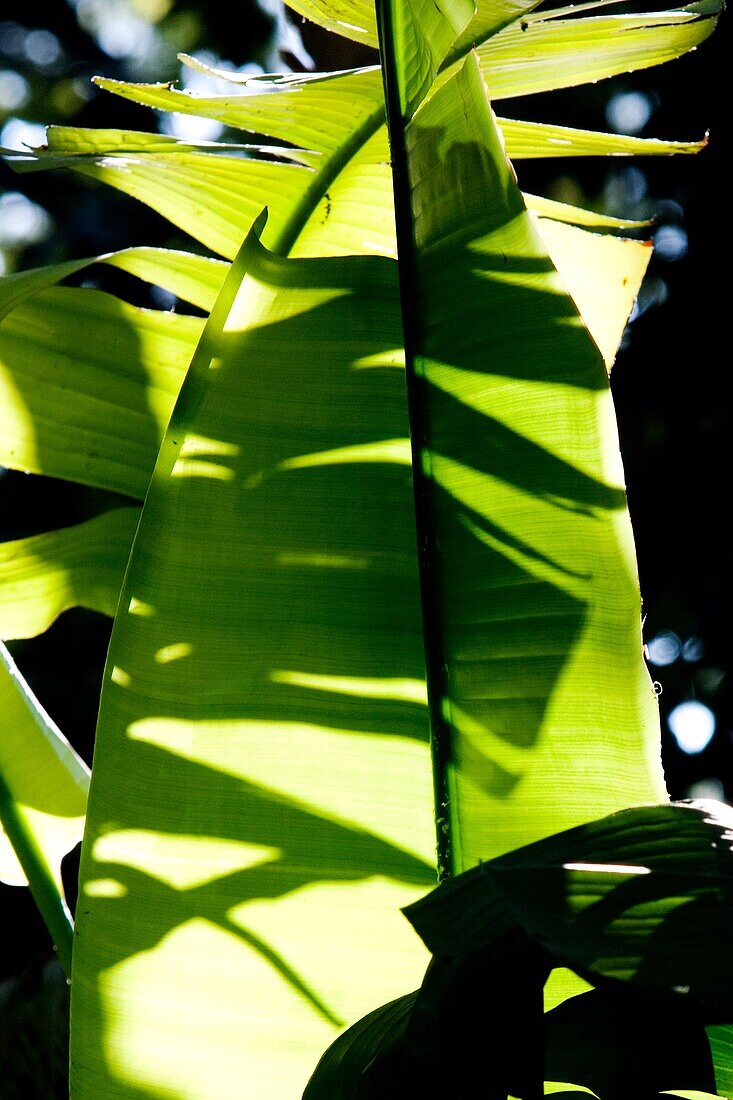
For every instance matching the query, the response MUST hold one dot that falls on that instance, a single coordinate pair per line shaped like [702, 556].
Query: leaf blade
[93, 412]
[309, 714]
[559, 53]
[502, 631]
[82, 566]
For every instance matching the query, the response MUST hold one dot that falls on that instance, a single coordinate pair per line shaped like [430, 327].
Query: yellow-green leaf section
[688, 1094]
[42, 776]
[605, 302]
[536, 139]
[544, 54]
[93, 410]
[353, 19]
[80, 566]
[196, 279]
[540, 698]
[265, 700]
[575, 215]
[552, 1088]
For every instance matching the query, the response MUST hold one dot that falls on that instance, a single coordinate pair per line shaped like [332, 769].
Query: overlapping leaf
[43, 791]
[81, 566]
[92, 412]
[643, 896]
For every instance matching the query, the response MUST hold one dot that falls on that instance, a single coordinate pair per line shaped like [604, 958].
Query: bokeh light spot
[624, 189]
[706, 788]
[14, 90]
[12, 39]
[191, 127]
[18, 133]
[692, 725]
[22, 222]
[42, 47]
[670, 243]
[664, 649]
[693, 650]
[629, 112]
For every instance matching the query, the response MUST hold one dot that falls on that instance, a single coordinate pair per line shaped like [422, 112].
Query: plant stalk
[44, 889]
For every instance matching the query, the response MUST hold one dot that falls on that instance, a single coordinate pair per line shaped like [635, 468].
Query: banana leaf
[264, 689]
[265, 695]
[514, 605]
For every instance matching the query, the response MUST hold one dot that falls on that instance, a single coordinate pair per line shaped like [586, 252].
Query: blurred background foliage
[671, 381]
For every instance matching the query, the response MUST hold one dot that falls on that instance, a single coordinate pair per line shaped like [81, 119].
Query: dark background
[671, 381]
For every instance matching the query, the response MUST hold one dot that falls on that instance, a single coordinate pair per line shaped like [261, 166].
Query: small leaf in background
[721, 1044]
[80, 566]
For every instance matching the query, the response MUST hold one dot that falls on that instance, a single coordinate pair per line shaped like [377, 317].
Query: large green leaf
[266, 673]
[43, 790]
[265, 698]
[79, 566]
[312, 708]
[526, 548]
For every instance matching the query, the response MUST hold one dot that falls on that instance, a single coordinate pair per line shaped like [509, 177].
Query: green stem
[435, 660]
[43, 886]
